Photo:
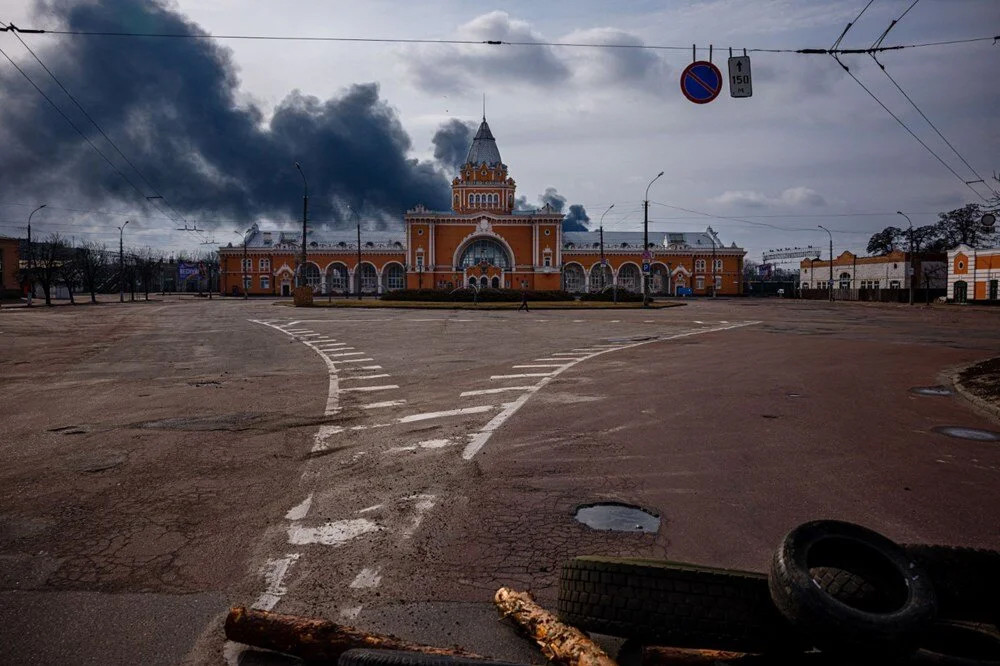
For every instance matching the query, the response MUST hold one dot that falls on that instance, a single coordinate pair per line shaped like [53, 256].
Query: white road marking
[332, 395]
[274, 573]
[365, 376]
[334, 533]
[577, 321]
[299, 511]
[331, 345]
[325, 432]
[387, 403]
[368, 509]
[423, 504]
[616, 321]
[478, 440]
[698, 322]
[568, 358]
[350, 613]
[366, 578]
[723, 321]
[575, 352]
[538, 365]
[309, 335]
[648, 321]
[479, 409]
[346, 353]
[521, 375]
[434, 443]
[384, 387]
[465, 394]
[354, 360]
[369, 367]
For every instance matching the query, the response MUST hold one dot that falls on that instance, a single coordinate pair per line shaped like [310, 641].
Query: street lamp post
[715, 288]
[31, 279]
[121, 262]
[603, 269]
[244, 265]
[910, 265]
[645, 241]
[305, 215]
[831, 260]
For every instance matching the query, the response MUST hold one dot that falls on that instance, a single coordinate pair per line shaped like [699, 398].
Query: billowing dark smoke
[554, 199]
[576, 219]
[172, 107]
[451, 144]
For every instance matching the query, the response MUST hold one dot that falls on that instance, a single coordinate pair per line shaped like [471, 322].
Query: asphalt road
[391, 468]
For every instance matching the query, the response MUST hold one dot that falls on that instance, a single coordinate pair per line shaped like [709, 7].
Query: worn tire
[364, 657]
[890, 628]
[966, 580]
[671, 603]
[953, 643]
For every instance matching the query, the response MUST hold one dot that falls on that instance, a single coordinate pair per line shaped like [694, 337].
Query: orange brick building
[973, 274]
[483, 241]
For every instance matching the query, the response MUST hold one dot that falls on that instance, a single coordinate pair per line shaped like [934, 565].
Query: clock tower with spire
[482, 183]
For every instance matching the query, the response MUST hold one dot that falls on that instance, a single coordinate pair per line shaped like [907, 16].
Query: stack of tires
[833, 586]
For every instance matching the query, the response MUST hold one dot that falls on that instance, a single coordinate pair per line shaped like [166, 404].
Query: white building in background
[973, 274]
[890, 271]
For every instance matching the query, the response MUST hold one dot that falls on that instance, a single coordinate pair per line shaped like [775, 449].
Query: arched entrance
[367, 279]
[312, 276]
[659, 279]
[961, 291]
[393, 277]
[600, 278]
[336, 278]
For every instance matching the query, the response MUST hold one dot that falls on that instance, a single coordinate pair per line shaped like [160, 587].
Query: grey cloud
[454, 68]
[791, 197]
[451, 143]
[617, 65]
[173, 107]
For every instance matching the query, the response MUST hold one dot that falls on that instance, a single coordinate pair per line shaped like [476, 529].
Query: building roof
[633, 239]
[484, 147]
[325, 238]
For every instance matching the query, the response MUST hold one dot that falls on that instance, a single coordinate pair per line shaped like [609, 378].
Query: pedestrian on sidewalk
[524, 301]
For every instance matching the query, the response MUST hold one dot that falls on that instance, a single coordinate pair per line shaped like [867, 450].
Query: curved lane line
[478, 440]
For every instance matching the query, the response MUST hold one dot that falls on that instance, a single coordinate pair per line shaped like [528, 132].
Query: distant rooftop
[484, 147]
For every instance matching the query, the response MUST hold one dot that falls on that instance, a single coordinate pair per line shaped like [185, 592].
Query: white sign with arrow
[740, 84]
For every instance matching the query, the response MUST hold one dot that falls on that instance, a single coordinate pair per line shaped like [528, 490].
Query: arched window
[311, 273]
[488, 250]
[600, 277]
[845, 280]
[484, 282]
[574, 280]
[628, 277]
[393, 277]
[496, 282]
[368, 279]
[699, 265]
[336, 278]
[718, 264]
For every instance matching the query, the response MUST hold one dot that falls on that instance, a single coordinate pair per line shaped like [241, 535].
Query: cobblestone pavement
[390, 467]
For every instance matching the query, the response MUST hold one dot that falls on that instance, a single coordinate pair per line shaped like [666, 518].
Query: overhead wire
[467, 42]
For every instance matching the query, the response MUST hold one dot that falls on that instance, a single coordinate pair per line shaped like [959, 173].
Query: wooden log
[671, 656]
[313, 639]
[560, 643]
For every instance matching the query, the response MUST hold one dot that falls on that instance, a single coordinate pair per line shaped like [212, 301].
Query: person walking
[524, 301]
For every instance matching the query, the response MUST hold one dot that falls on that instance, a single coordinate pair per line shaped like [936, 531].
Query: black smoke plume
[173, 107]
[575, 220]
[451, 144]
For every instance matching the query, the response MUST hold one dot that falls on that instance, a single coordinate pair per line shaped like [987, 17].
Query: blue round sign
[701, 82]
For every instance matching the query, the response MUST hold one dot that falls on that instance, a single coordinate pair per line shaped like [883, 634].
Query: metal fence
[872, 295]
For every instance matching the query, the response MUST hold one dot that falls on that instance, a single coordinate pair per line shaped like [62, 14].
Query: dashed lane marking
[354, 360]
[346, 354]
[352, 377]
[366, 578]
[466, 394]
[387, 403]
[369, 367]
[299, 511]
[522, 375]
[335, 533]
[479, 409]
[274, 573]
[478, 440]
[568, 358]
[385, 387]
[537, 365]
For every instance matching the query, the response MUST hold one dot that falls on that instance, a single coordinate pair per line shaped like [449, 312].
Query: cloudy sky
[215, 126]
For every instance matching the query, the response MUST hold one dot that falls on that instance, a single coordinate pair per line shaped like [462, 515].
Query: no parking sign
[701, 82]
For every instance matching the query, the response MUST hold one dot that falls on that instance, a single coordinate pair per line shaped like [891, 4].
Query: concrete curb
[992, 411]
[494, 306]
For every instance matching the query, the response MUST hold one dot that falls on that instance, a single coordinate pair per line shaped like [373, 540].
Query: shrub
[608, 295]
[467, 295]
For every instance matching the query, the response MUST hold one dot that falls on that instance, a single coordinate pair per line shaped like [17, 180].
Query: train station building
[483, 241]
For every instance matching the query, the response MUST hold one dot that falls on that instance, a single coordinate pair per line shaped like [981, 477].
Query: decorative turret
[482, 183]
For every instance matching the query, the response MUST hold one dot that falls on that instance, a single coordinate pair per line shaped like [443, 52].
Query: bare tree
[93, 262]
[147, 264]
[52, 253]
[70, 273]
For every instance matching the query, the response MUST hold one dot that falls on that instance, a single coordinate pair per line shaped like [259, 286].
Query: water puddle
[975, 434]
[618, 517]
[932, 390]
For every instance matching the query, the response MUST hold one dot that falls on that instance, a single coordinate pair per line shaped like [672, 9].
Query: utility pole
[910, 270]
[711, 237]
[645, 241]
[31, 275]
[121, 262]
[305, 215]
[604, 272]
[243, 266]
[359, 257]
[830, 289]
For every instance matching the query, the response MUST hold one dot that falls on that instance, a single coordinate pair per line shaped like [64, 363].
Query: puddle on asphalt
[976, 434]
[617, 517]
[932, 390]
